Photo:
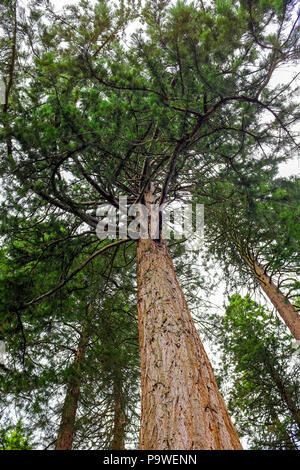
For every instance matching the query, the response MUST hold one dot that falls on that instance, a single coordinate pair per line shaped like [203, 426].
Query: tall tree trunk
[284, 435]
[285, 309]
[11, 69]
[286, 396]
[66, 429]
[181, 407]
[118, 442]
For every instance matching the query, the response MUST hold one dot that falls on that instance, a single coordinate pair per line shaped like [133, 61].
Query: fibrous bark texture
[181, 407]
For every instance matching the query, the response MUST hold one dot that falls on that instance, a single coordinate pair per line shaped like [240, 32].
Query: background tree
[42, 340]
[15, 438]
[252, 228]
[262, 367]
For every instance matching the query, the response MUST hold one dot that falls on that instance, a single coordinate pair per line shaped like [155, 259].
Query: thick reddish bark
[181, 407]
[285, 309]
[66, 429]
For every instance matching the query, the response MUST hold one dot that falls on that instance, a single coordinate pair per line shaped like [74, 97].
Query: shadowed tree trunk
[118, 442]
[289, 444]
[181, 407]
[284, 391]
[66, 429]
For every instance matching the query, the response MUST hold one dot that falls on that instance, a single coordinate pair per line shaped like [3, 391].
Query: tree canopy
[104, 100]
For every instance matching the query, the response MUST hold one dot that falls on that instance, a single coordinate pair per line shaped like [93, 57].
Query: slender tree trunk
[285, 309]
[10, 78]
[181, 407]
[286, 438]
[118, 442]
[66, 429]
[286, 396]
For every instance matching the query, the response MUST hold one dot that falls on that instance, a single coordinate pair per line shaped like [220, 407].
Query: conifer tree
[262, 366]
[39, 376]
[90, 119]
[254, 232]
[15, 438]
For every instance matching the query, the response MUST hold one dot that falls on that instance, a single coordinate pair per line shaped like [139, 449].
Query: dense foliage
[101, 99]
[262, 367]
